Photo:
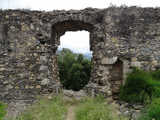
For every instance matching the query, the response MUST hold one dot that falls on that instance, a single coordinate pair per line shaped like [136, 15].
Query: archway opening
[74, 60]
[117, 78]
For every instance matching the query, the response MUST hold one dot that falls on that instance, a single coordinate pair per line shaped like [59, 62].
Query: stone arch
[59, 28]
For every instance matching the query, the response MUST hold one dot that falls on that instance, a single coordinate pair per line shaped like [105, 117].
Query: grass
[141, 87]
[56, 109]
[46, 110]
[2, 110]
[96, 109]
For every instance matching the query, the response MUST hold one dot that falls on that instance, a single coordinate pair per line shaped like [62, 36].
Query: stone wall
[29, 40]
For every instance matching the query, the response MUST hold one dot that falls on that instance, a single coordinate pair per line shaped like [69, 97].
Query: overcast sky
[77, 41]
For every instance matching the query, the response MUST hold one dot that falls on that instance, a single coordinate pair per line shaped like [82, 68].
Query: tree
[74, 69]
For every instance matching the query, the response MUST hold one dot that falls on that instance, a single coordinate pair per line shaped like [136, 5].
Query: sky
[76, 41]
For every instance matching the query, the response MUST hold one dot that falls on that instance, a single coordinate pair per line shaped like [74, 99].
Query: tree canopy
[74, 69]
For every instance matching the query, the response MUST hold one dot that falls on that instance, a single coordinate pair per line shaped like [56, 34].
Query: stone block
[109, 61]
[45, 82]
[136, 64]
[43, 59]
[43, 68]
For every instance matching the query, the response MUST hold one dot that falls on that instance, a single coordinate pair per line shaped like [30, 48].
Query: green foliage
[46, 110]
[156, 75]
[96, 109]
[152, 111]
[140, 87]
[2, 110]
[143, 87]
[74, 69]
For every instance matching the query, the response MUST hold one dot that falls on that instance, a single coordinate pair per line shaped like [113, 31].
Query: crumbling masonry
[120, 39]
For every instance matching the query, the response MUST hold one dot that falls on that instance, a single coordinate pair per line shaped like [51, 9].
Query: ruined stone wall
[29, 40]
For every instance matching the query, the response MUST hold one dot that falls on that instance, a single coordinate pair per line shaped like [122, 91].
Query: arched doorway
[60, 28]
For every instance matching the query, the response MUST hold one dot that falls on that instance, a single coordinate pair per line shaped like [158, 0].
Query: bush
[152, 111]
[140, 87]
[2, 110]
[46, 110]
[95, 109]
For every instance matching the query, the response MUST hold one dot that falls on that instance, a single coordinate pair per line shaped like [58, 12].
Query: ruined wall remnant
[120, 38]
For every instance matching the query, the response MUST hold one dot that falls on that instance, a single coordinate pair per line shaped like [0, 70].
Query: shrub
[96, 109]
[46, 110]
[140, 87]
[137, 87]
[152, 111]
[2, 110]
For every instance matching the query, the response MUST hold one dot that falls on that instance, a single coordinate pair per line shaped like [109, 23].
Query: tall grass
[2, 110]
[86, 109]
[46, 110]
[96, 109]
